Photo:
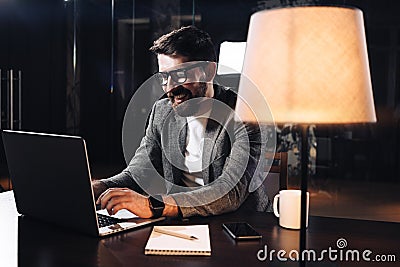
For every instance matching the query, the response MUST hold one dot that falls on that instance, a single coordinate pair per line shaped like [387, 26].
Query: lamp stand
[304, 180]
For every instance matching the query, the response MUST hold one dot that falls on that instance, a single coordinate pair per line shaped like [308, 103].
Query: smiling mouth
[180, 98]
[179, 95]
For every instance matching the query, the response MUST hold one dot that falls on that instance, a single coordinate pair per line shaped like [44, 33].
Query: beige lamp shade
[310, 64]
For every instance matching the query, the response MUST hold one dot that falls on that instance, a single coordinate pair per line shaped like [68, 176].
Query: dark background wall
[33, 41]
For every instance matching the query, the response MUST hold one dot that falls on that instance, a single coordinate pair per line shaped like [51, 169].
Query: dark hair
[187, 41]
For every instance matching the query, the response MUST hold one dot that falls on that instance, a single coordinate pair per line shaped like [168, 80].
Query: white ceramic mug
[289, 208]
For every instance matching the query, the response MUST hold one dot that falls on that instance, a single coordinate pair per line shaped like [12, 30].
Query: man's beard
[187, 104]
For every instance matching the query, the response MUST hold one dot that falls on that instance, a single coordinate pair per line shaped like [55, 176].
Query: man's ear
[210, 71]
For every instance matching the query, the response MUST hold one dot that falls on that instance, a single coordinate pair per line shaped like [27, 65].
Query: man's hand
[115, 199]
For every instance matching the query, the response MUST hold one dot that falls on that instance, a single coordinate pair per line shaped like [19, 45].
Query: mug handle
[275, 205]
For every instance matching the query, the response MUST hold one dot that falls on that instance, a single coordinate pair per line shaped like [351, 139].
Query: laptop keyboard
[107, 220]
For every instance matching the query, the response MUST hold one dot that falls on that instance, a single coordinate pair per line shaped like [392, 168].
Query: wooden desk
[27, 242]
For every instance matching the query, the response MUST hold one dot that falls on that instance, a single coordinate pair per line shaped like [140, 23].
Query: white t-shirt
[194, 149]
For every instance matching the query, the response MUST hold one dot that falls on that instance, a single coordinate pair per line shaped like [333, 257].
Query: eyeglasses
[178, 76]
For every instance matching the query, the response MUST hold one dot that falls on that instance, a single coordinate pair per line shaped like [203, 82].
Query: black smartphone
[241, 231]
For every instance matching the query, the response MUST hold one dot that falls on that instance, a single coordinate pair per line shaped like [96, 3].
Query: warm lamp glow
[310, 64]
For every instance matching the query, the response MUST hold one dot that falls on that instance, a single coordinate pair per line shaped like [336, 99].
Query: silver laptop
[52, 182]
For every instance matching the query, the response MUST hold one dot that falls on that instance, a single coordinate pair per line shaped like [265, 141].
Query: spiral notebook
[164, 244]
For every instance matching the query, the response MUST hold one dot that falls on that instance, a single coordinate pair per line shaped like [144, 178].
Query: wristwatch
[156, 205]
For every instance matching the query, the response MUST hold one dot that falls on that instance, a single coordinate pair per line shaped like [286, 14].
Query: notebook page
[163, 244]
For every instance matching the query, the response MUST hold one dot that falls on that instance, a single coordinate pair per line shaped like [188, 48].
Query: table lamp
[311, 65]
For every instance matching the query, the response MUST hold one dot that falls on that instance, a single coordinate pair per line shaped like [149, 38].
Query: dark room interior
[87, 94]
[74, 66]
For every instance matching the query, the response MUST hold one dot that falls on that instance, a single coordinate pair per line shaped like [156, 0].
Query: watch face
[155, 203]
[156, 206]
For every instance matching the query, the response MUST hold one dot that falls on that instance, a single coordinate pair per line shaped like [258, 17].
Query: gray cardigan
[231, 152]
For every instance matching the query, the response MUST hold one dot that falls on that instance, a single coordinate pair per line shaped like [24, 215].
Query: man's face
[193, 87]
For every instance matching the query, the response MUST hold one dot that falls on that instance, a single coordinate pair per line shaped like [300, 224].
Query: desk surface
[26, 242]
